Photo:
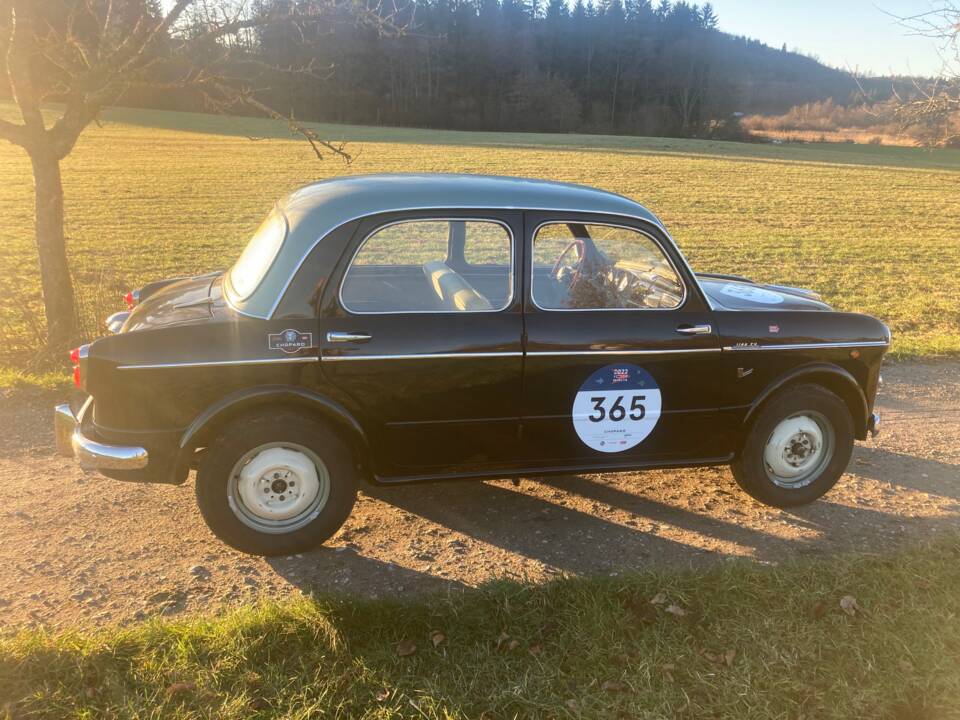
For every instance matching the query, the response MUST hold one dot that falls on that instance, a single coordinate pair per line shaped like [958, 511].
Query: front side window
[252, 265]
[445, 265]
[580, 266]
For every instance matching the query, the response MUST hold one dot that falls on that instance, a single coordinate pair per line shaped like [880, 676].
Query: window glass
[252, 265]
[414, 267]
[484, 245]
[579, 266]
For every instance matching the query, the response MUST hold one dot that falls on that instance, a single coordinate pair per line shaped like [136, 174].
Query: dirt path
[78, 548]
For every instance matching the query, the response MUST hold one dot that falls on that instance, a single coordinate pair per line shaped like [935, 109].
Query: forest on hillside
[601, 66]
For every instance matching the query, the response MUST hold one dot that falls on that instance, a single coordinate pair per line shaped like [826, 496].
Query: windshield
[252, 265]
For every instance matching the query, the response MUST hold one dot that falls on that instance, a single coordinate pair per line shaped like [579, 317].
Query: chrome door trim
[541, 353]
[421, 356]
[218, 363]
[672, 351]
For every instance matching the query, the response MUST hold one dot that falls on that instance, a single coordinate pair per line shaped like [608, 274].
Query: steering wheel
[569, 278]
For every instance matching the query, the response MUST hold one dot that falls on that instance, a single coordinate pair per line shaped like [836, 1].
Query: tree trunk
[54, 272]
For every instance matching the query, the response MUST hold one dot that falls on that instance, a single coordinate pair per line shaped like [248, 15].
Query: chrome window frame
[512, 274]
[652, 220]
[666, 255]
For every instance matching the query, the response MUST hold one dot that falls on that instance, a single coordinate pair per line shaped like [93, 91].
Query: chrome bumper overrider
[91, 454]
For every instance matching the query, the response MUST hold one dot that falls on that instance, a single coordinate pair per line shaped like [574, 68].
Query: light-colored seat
[454, 292]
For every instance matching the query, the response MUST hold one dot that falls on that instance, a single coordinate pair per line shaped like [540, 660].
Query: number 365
[617, 411]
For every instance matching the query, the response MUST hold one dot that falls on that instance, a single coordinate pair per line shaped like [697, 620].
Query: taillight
[130, 299]
[77, 356]
[75, 359]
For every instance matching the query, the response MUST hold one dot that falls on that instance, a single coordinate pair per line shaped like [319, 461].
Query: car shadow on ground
[908, 471]
[345, 569]
[591, 525]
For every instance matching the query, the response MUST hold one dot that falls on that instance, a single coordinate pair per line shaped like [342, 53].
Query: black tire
[214, 489]
[750, 468]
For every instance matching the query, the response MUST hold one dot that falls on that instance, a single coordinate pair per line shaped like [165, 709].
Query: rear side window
[252, 265]
[579, 266]
[442, 265]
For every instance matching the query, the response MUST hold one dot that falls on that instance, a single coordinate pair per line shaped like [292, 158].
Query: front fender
[834, 378]
[205, 426]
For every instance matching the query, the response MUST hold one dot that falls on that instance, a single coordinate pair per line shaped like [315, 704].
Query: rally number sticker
[752, 294]
[616, 408]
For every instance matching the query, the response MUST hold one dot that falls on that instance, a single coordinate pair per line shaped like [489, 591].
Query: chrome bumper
[91, 454]
[873, 424]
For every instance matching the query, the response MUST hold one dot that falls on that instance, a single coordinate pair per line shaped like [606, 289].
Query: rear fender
[208, 424]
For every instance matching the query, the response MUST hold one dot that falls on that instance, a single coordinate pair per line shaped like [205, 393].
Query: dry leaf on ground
[181, 687]
[613, 686]
[406, 648]
[848, 603]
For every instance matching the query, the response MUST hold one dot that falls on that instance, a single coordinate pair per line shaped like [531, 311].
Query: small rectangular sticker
[290, 341]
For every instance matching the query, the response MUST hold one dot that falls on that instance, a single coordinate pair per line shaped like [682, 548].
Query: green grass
[594, 648]
[151, 194]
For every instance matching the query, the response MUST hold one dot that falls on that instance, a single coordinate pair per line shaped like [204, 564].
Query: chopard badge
[290, 341]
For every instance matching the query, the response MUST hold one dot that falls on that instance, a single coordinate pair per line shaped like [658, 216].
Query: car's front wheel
[276, 484]
[797, 447]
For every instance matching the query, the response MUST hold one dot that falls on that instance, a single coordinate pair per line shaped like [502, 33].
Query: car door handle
[354, 337]
[694, 329]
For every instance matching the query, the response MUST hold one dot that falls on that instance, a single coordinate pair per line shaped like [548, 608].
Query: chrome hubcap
[798, 449]
[278, 487]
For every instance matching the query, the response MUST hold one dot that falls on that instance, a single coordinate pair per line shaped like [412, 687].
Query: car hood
[734, 293]
[181, 301]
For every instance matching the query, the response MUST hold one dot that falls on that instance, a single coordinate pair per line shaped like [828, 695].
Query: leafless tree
[85, 54]
[935, 107]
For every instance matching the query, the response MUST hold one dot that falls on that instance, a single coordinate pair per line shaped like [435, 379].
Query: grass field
[740, 641]
[152, 194]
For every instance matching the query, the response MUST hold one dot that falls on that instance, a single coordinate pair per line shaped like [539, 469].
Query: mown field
[853, 637]
[152, 194]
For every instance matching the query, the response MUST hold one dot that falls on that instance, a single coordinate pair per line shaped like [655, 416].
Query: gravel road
[82, 549]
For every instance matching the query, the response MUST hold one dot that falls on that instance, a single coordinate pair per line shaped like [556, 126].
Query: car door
[423, 333]
[621, 348]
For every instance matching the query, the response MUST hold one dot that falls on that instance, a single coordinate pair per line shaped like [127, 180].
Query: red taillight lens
[75, 359]
[130, 300]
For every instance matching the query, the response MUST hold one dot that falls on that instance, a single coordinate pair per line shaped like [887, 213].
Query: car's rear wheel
[276, 484]
[797, 447]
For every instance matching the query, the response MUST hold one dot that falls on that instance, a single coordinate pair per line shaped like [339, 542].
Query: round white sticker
[616, 408]
[752, 294]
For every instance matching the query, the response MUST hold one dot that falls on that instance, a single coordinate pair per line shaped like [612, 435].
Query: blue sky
[850, 34]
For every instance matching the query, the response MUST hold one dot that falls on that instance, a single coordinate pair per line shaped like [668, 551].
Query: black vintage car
[404, 328]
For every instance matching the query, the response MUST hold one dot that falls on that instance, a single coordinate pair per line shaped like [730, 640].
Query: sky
[850, 34]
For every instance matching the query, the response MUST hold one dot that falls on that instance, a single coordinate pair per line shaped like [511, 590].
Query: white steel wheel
[798, 449]
[278, 487]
